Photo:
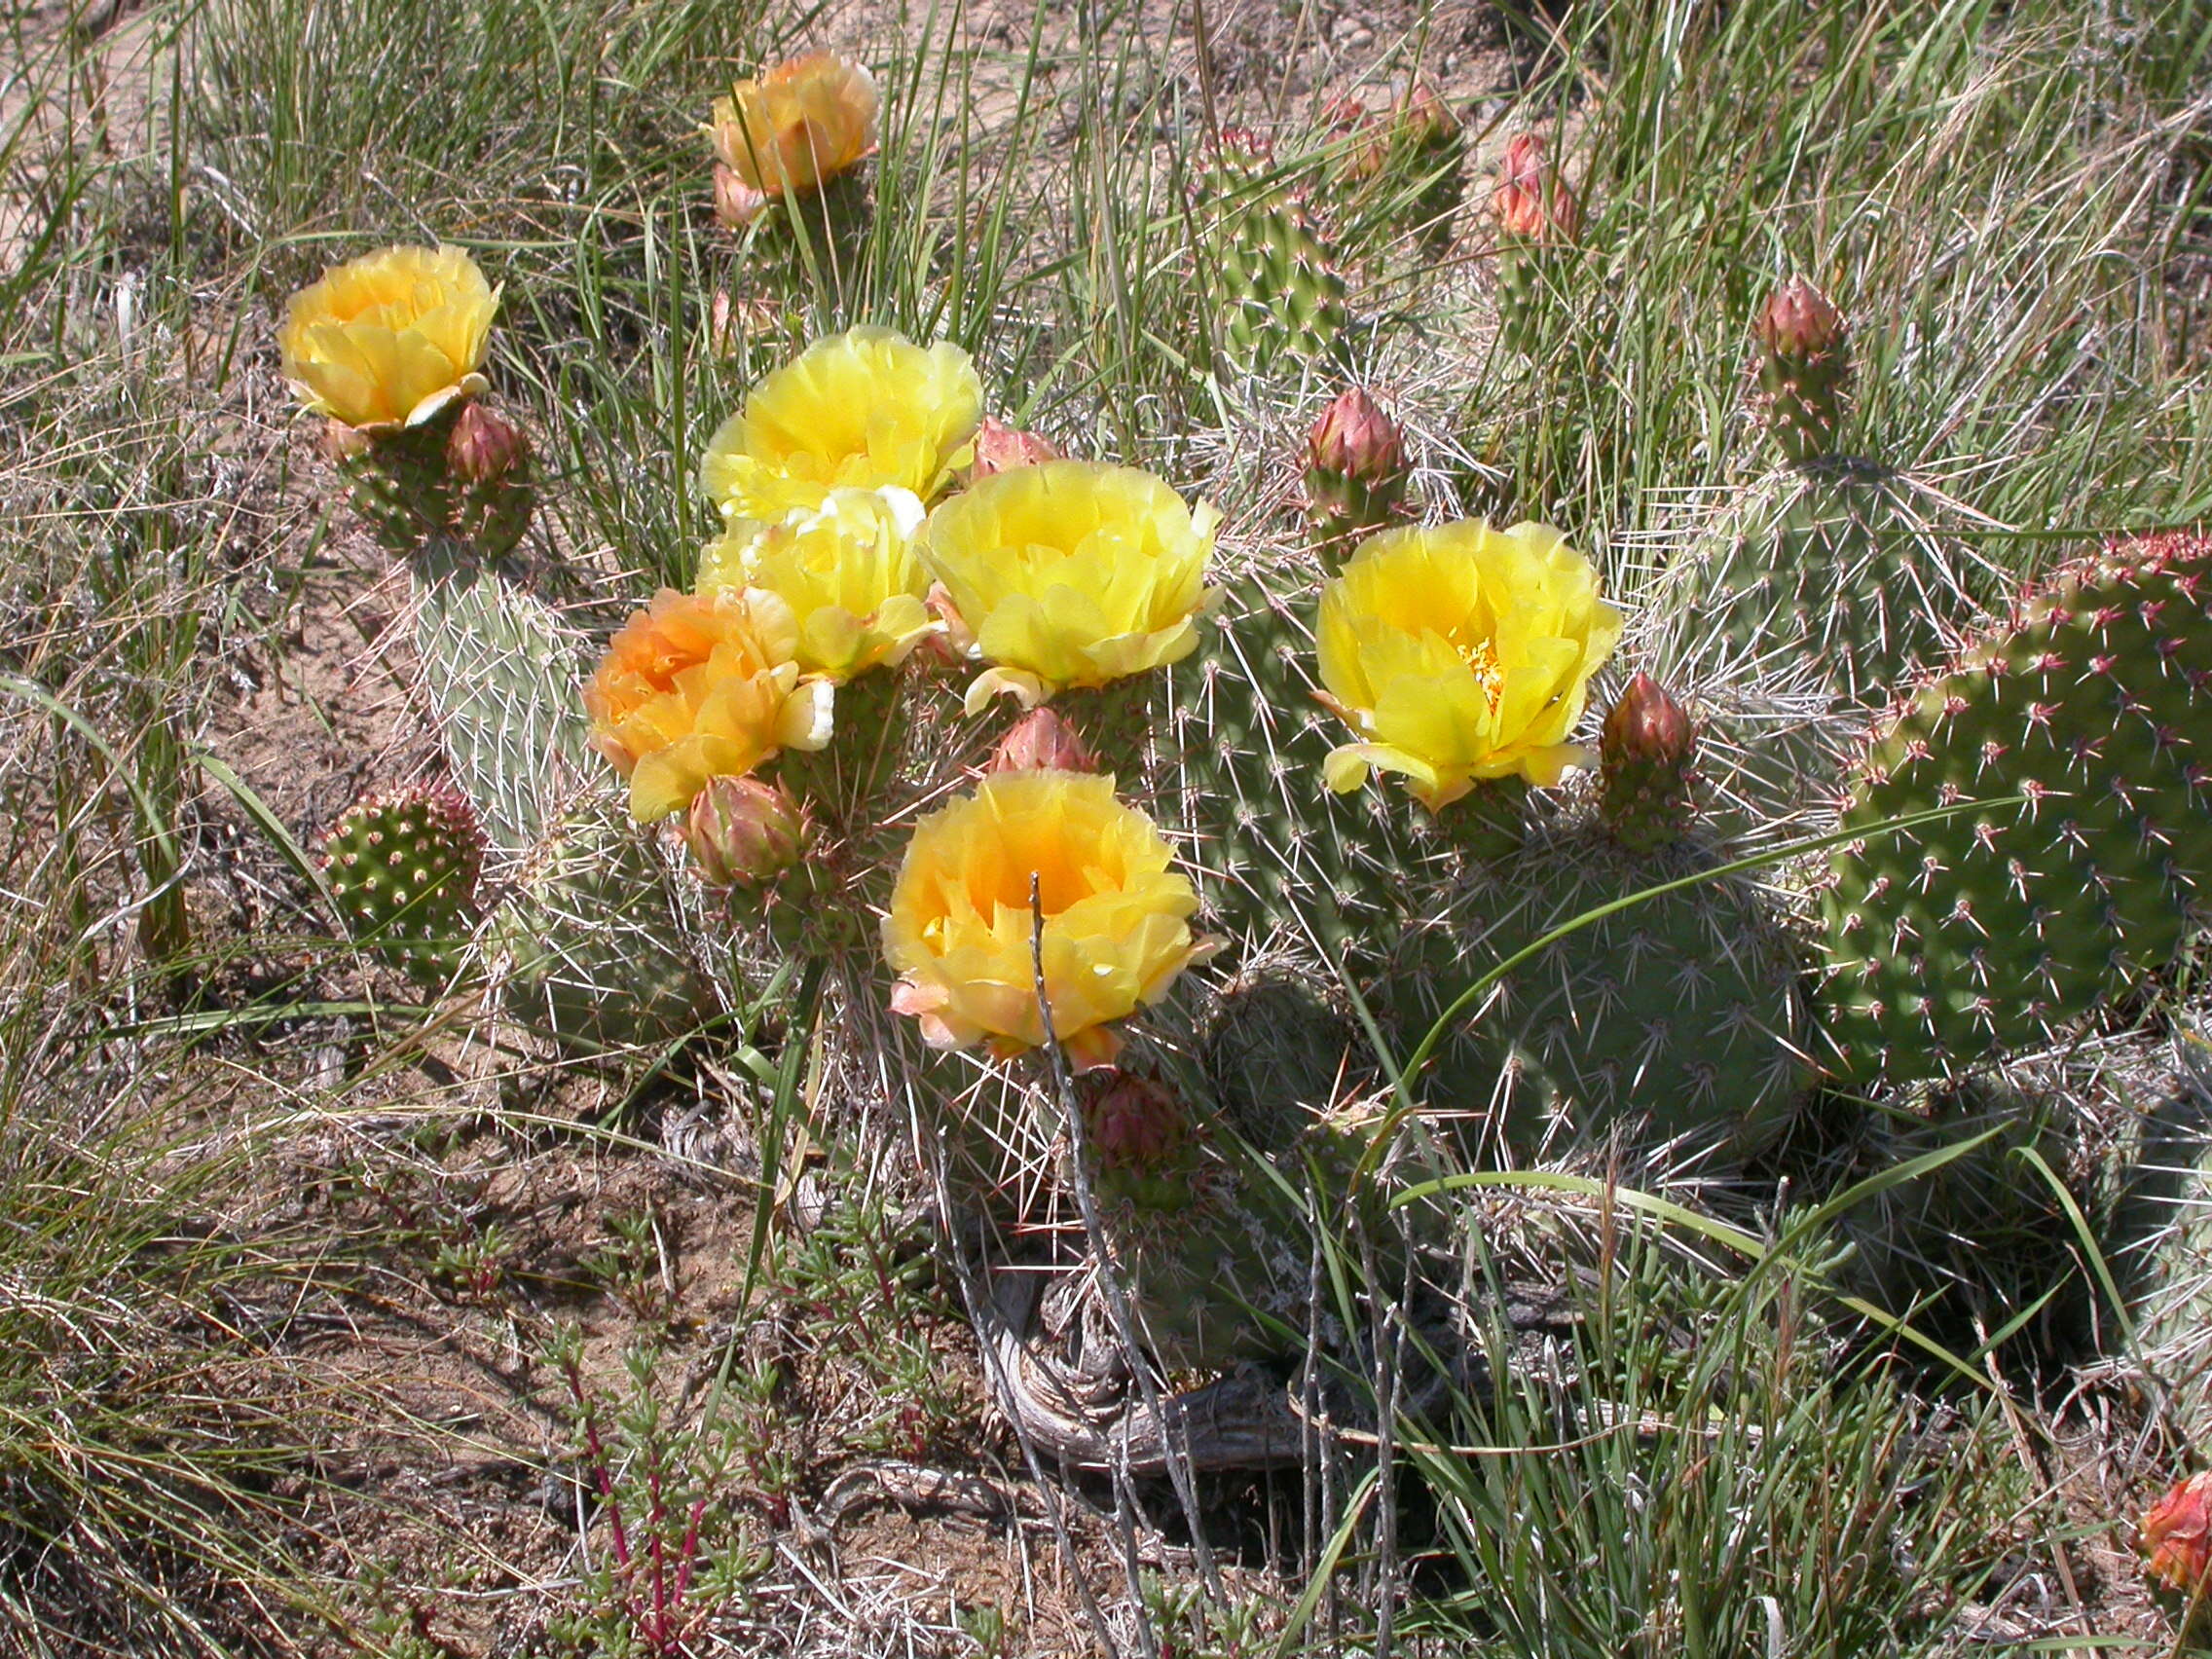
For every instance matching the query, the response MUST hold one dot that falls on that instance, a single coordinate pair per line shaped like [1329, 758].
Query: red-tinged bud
[485, 447]
[1533, 202]
[743, 832]
[1355, 467]
[1804, 366]
[1041, 742]
[1800, 321]
[736, 204]
[1647, 752]
[1000, 448]
[2177, 1538]
[1134, 1122]
[1424, 118]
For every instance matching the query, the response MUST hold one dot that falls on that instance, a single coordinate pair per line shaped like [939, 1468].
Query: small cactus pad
[1280, 285]
[1995, 930]
[404, 865]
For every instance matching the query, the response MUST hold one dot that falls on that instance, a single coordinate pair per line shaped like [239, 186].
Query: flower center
[1481, 658]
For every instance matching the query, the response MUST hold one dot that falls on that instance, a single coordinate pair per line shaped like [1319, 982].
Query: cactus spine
[1997, 930]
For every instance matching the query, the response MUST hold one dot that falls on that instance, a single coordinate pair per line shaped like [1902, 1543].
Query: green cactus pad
[404, 866]
[1281, 291]
[1842, 569]
[1678, 1020]
[2001, 930]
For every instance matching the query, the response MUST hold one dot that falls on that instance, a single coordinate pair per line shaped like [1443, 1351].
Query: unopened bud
[743, 832]
[1355, 465]
[1804, 366]
[736, 204]
[2177, 1537]
[1425, 120]
[1000, 448]
[1041, 742]
[1800, 321]
[1135, 1121]
[1645, 753]
[1533, 202]
[485, 447]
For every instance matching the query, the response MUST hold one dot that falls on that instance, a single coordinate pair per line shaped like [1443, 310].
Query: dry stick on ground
[1173, 1440]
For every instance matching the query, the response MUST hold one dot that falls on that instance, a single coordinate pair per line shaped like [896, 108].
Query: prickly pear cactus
[1214, 1251]
[1676, 1020]
[1280, 859]
[463, 474]
[1842, 571]
[1646, 757]
[404, 865]
[593, 939]
[592, 933]
[500, 671]
[1282, 289]
[2001, 929]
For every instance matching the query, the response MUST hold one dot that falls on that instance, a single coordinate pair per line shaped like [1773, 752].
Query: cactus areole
[1998, 931]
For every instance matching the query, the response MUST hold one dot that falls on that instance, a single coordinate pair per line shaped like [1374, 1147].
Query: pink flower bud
[2177, 1537]
[1355, 439]
[485, 447]
[1424, 118]
[1000, 448]
[1799, 321]
[1533, 202]
[1135, 1121]
[736, 204]
[1041, 742]
[743, 832]
[1647, 726]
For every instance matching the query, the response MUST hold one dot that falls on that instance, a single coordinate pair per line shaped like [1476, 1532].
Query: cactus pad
[1281, 290]
[404, 865]
[1677, 1017]
[1995, 931]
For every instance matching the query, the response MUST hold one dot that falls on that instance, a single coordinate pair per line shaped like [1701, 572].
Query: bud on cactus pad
[1041, 742]
[743, 832]
[1134, 1122]
[404, 865]
[1804, 366]
[1539, 223]
[1000, 448]
[1355, 467]
[1646, 755]
[1998, 929]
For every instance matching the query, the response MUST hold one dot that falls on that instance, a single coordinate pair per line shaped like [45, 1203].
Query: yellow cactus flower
[849, 573]
[860, 410]
[1071, 572]
[389, 339]
[799, 125]
[1116, 917]
[1461, 652]
[702, 687]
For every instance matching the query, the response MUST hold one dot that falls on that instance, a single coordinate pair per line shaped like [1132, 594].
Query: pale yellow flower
[1071, 572]
[1116, 917]
[702, 687]
[849, 571]
[1461, 652]
[799, 125]
[389, 339]
[861, 410]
